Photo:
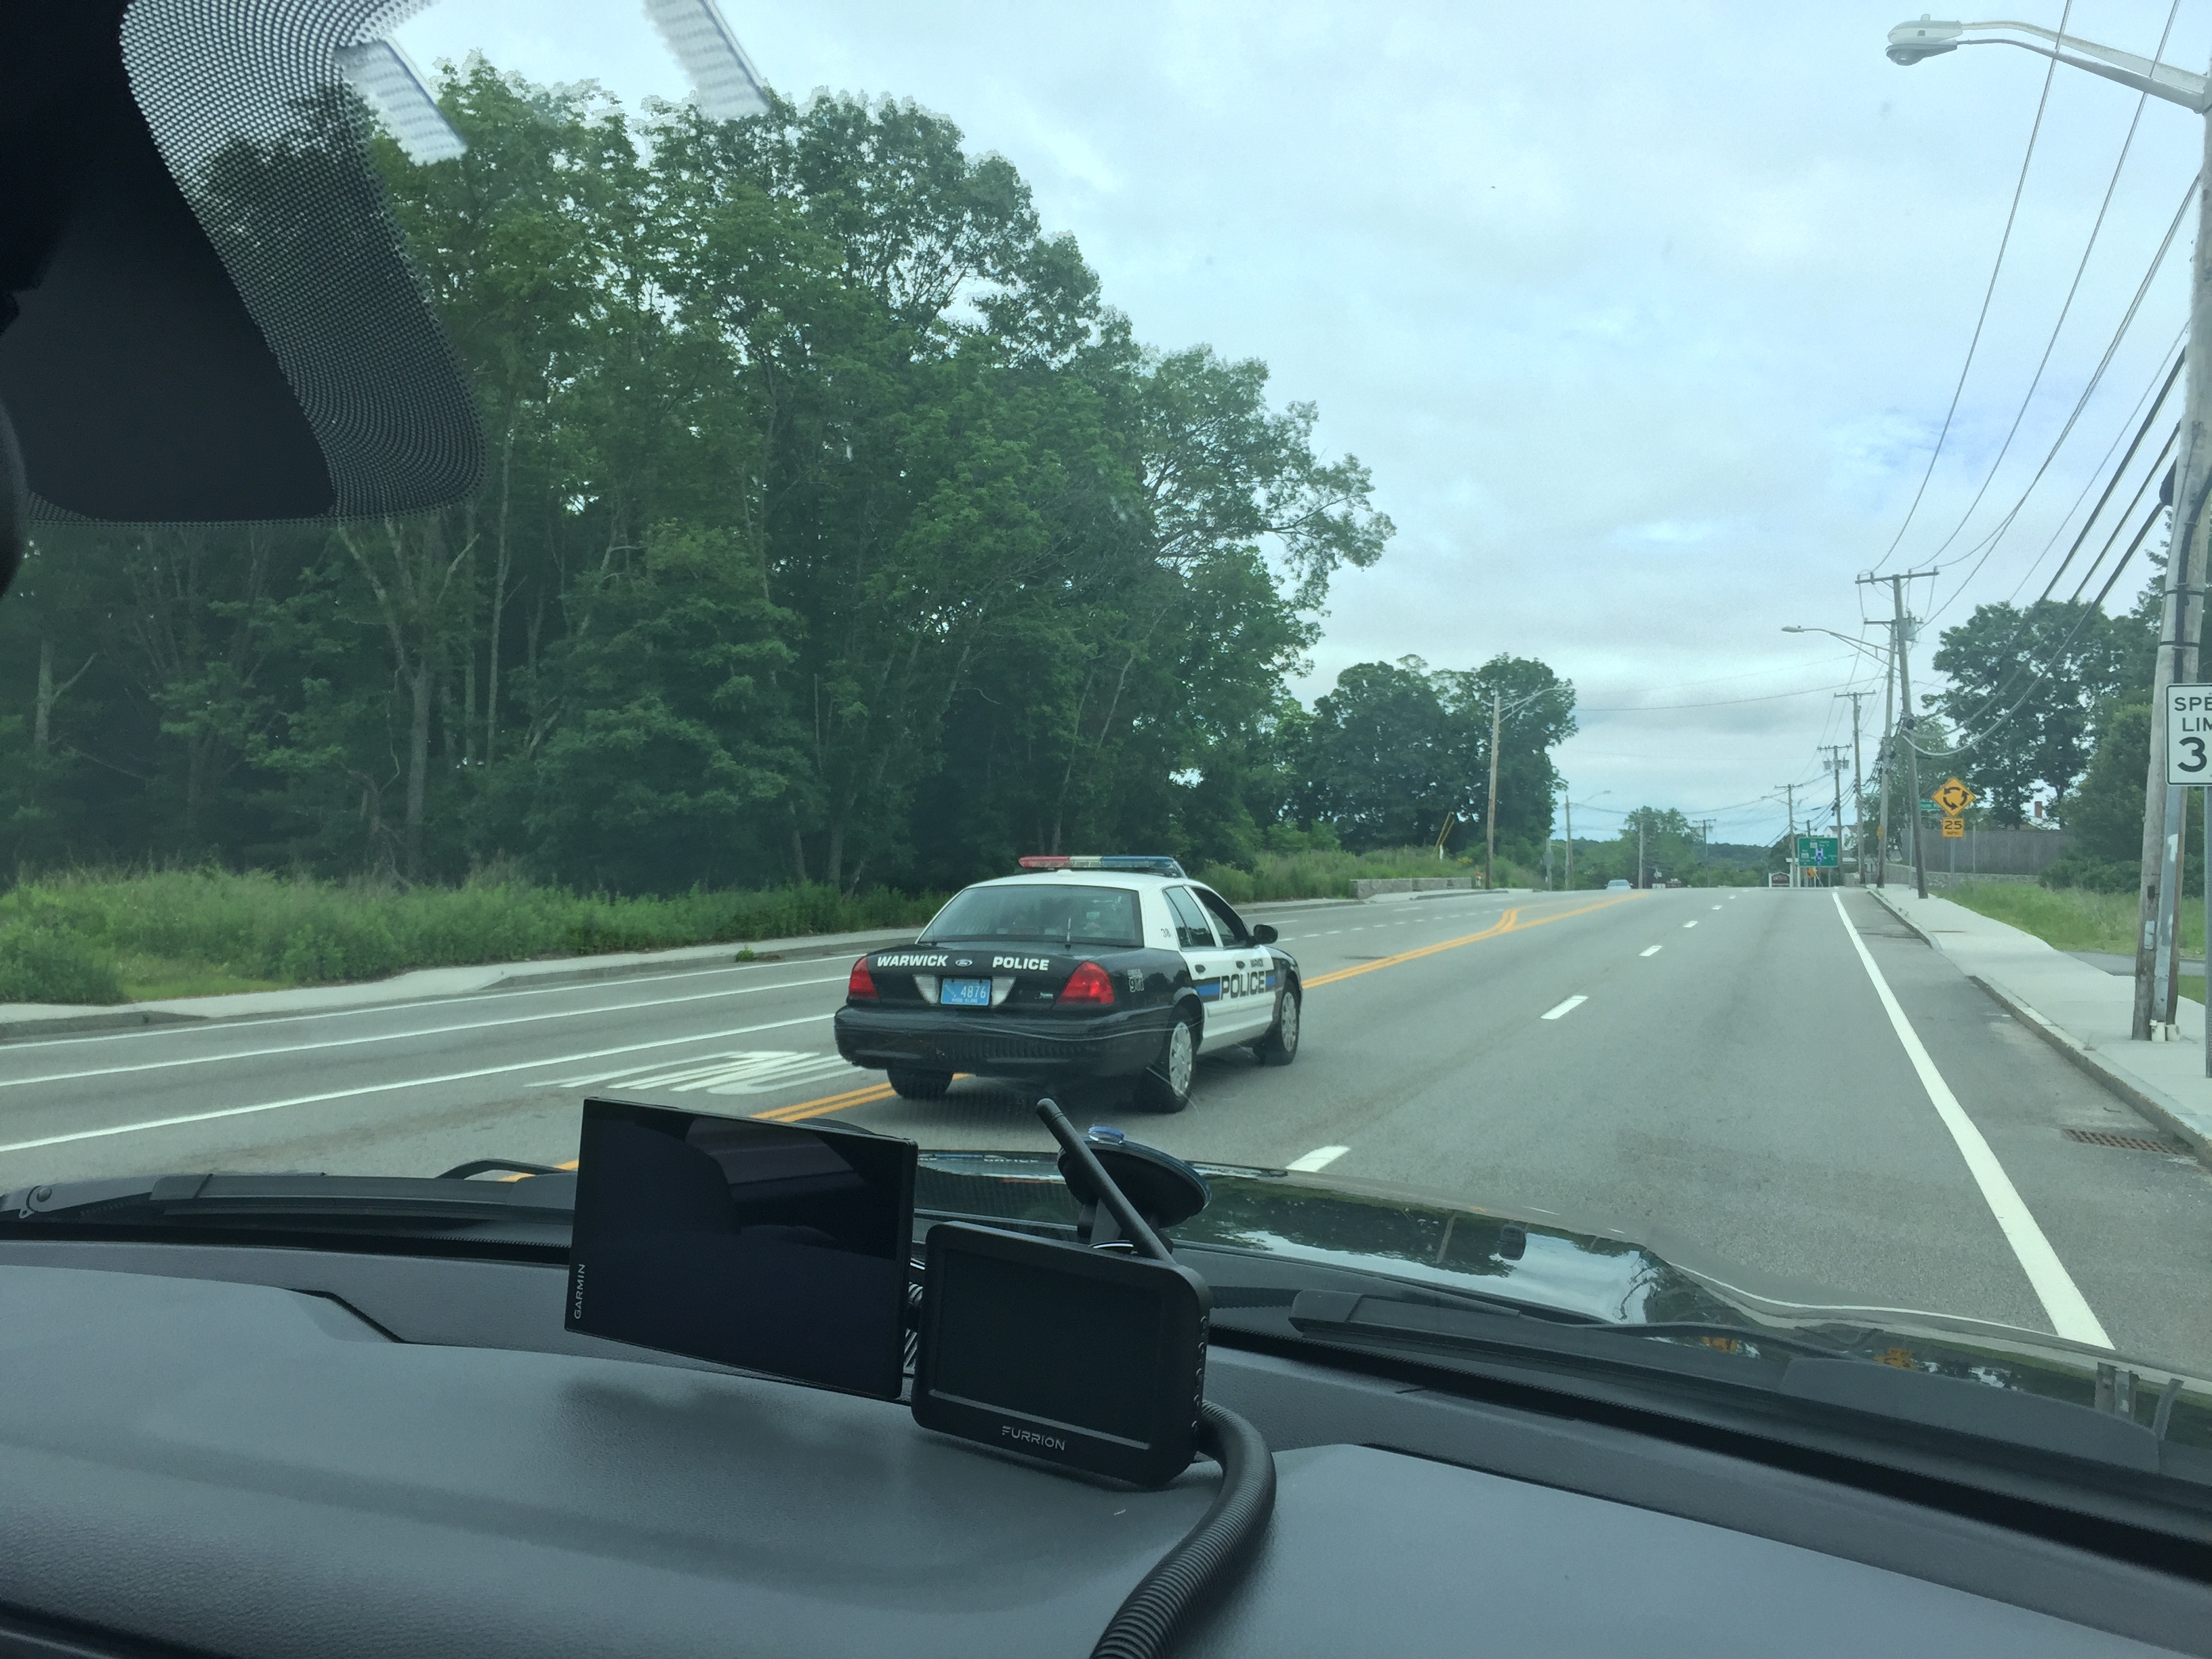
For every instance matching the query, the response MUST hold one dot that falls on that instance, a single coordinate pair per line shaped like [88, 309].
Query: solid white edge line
[2062, 1301]
[1652, 951]
[182, 1060]
[1320, 1158]
[1566, 1007]
[537, 1064]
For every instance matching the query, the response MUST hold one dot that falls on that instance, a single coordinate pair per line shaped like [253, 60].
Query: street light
[2158, 911]
[1856, 645]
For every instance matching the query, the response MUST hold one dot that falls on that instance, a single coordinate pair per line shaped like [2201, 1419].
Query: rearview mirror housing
[1263, 934]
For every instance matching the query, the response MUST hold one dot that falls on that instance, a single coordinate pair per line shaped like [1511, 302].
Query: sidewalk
[2080, 1009]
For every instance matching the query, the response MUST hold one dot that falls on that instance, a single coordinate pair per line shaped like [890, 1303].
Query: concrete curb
[2148, 1101]
[2152, 1104]
[1911, 927]
[721, 956]
[117, 1019]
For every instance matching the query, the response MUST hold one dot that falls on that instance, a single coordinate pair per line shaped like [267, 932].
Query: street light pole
[1567, 800]
[1858, 788]
[2181, 612]
[1882, 754]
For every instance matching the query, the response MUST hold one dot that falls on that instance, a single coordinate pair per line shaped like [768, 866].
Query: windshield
[1453, 509]
[1070, 916]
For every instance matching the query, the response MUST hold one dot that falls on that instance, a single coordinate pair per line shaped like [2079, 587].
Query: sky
[1646, 325]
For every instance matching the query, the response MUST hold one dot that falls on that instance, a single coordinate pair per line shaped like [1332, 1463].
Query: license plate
[965, 993]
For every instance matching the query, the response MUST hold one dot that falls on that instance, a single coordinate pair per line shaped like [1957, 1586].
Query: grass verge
[1330, 874]
[99, 939]
[2071, 918]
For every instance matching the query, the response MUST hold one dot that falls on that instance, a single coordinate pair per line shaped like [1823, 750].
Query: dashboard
[208, 1448]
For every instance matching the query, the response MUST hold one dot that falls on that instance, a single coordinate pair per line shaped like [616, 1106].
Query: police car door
[1247, 992]
[1209, 962]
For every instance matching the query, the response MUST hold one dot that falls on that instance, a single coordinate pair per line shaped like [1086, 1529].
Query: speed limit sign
[2189, 734]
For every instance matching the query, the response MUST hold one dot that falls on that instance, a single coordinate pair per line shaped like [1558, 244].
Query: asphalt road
[1716, 1072]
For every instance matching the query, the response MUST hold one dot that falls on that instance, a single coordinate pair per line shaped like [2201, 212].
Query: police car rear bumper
[1119, 1042]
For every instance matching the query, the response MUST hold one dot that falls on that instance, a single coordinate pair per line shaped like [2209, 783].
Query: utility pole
[1639, 854]
[2182, 611]
[1566, 797]
[1789, 834]
[1858, 788]
[1903, 632]
[1490, 812]
[1834, 752]
[1887, 759]
[2158, 913]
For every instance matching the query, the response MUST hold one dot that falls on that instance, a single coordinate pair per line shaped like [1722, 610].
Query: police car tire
[1157, 1089]
[1280, 1045]
[919, 1085]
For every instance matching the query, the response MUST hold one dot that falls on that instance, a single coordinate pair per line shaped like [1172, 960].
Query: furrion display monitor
[770, 1247]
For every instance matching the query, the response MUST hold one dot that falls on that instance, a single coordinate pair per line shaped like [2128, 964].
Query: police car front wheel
[1280, 1045]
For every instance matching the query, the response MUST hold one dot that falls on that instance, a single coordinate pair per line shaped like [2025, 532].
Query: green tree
[2024, 685]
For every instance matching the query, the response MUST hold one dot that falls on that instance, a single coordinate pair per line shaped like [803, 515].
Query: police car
[1115, 966]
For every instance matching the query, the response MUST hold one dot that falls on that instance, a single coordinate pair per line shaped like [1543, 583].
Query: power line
[2104, 462]
[2058, 327]
[2095, 609]
[1988, 294]
[1988, 544]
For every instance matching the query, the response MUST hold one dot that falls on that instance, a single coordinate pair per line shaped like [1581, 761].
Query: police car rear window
[1067, 916]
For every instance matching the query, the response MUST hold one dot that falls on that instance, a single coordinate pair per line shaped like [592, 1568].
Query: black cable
[1988, 294]
[2065, 307]
[1144, 1626]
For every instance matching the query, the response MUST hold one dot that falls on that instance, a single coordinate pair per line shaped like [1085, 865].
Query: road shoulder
[2080, 1009]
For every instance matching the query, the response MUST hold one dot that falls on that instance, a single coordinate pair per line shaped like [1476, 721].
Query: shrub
[41, 962]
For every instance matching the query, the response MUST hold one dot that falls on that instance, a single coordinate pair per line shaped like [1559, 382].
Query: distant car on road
[1618, 884]
[1115, 966]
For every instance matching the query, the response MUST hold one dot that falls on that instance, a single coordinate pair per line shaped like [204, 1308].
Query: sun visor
[215, 319]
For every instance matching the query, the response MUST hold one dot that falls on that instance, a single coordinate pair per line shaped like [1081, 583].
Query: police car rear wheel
[921, 1085]
[1164, 1085]
[1280, 1046]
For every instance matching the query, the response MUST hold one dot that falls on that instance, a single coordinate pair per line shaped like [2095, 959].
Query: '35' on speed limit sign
[2189, 734]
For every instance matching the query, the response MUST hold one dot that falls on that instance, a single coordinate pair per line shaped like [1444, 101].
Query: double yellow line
[807, 1108]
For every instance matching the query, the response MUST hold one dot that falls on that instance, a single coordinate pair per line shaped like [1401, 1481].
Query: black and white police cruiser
[1111, 966]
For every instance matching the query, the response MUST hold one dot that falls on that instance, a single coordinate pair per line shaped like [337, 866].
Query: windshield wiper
[1471, 1323]
[357, 1201]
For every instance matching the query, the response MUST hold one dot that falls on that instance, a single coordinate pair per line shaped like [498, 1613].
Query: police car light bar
[1151, 864]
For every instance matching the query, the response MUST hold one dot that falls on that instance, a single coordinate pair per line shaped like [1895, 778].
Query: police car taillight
[862, 983]
[1089, 985]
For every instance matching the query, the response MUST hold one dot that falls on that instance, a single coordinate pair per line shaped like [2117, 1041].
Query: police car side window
[1226, 921]
[1191, 930]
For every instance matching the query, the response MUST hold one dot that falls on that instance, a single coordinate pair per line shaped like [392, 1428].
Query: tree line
[835, 529]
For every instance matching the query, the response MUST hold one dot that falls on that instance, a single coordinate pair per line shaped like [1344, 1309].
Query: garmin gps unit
[773, 1247]
[1091, 1359]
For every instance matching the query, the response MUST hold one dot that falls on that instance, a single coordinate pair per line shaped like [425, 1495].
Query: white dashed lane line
[1653, 951]
[1566, 1008]
[1320, 1158]
[1689, 923]
[1717, 907]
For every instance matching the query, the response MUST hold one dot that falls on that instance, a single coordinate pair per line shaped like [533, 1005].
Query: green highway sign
[1816, 852]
